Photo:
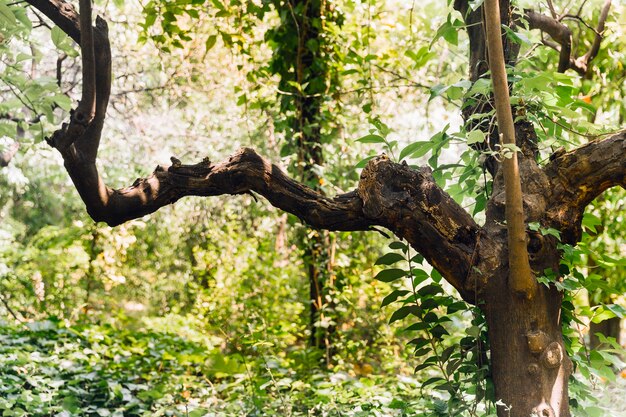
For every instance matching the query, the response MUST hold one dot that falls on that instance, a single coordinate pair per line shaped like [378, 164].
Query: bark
[86, 109]
[528, 361]
[529, 366]
[579, 176]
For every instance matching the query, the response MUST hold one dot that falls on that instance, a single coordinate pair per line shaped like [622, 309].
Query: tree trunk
[530, 368]
[610, 328]
[311, 73]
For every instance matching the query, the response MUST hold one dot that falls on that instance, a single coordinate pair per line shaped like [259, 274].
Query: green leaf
[430, 289]
[448, 32]
[420, 325]
[482, 86]
[402, 312]
[416, 149]
[617, 309]
[63, 101]
[6, 15]
[390, 275]
[399, 245]
[210, 42]
[475, 136]
[393, 297]
[430, 317]
[58, 37]
[456, 306]
[473, 331]
[419, 342]
[371, 138]
[590, 221]
[422, 366]
[431, 381]
[389, 259]
[363, 162]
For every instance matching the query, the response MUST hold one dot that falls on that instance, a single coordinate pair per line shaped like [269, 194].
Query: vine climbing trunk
[520, 276]
[302, 65]
[316, 246]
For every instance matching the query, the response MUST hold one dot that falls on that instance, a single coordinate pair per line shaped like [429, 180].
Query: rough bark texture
[530, 368]
[522, 332]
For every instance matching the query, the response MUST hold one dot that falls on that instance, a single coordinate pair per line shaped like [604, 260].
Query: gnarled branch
[579, 176]
[407, 202]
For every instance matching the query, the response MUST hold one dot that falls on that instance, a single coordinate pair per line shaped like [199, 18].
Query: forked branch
[562, 35]
[579, 176]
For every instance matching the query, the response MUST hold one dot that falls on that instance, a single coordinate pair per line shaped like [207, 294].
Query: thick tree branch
[408, 202]
[86, 109]
[242, 173]
[414, 207]
[579, 176]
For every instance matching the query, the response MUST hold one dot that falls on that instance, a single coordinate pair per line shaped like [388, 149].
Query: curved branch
[242, 173]
[86, 109]
[579, 176]
[407, 202]
[562, 34]
[595, 47]
[410, 204]
[559, 32]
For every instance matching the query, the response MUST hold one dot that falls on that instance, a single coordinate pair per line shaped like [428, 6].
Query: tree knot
[552, 356]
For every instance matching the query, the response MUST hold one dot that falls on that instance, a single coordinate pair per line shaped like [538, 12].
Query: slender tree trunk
[521, 279]
[609, 328]
[310, 73]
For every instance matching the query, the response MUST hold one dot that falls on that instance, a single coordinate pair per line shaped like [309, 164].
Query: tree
[529, 361]
[306, 75]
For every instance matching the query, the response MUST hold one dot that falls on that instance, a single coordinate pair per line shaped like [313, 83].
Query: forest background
[208, 307]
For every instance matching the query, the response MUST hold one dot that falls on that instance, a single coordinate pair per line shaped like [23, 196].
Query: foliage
[220, 285]
[52, 368]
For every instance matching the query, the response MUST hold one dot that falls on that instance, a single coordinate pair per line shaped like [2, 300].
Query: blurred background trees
[232, 289]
